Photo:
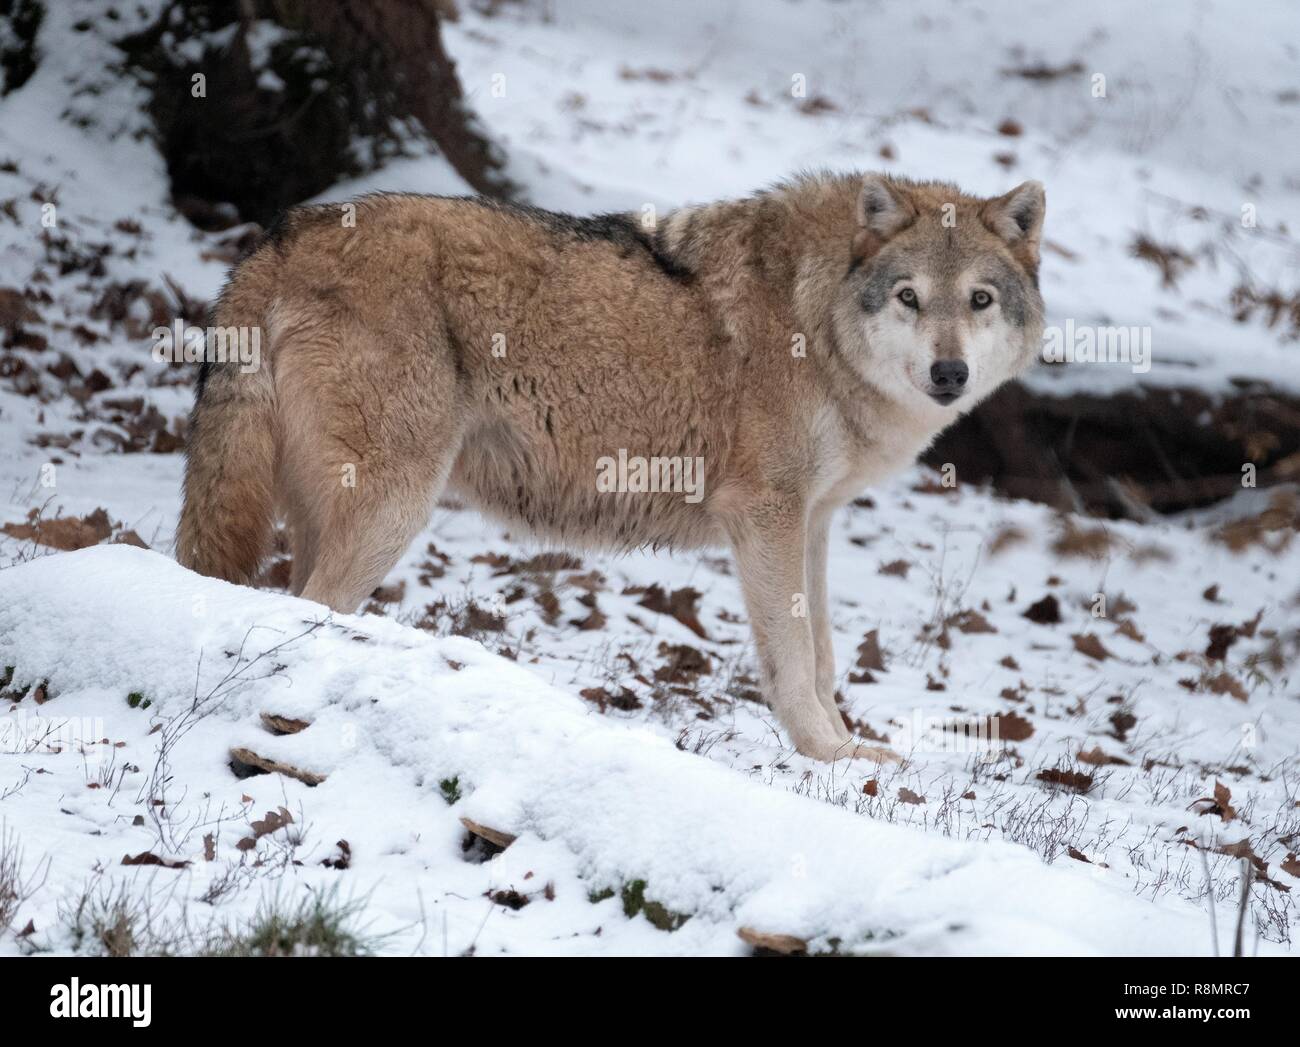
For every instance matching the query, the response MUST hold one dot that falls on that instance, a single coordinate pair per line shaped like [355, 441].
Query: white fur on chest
[848, 464]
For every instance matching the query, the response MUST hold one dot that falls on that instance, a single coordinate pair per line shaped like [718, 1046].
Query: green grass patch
[635, 901]
[450, 790]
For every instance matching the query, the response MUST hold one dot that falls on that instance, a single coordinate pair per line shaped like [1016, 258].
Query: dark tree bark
[259, 104]
[1127, 454]
[20, 20]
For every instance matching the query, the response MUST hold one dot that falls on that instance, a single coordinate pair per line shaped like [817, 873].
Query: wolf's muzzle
[948, 380]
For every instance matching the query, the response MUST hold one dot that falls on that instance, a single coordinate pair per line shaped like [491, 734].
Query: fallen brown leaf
[1089, 644]
[66, 533]
[679, 604]
[149, 858]
[1076, 780]
[1100, 758]
[1226, 683]
[624, 700]
[1010, 727]
[869, 653]
[1046, 611]
[1220, 803]
[1127, 628]
[970, 622]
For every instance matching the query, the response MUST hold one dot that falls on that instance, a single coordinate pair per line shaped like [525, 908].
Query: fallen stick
[283, 724]
[246, 763]
[493, 836]
[785, 944]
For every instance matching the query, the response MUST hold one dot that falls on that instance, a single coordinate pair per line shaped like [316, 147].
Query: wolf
[801, 344]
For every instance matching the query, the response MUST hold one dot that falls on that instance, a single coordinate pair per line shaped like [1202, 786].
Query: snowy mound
[412, 733]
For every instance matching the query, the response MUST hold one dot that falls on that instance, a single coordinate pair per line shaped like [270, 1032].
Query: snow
[594, 802]
[694, 790]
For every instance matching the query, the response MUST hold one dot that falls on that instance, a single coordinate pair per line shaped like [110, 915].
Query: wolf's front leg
[770, 545]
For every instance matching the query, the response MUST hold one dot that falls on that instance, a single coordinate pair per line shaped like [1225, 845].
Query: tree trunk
[272, 101]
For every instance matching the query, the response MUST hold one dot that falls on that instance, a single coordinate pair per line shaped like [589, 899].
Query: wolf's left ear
[883, 207]
[1017, 218]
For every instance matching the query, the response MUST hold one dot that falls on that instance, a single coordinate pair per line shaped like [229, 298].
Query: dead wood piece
[283, 724]
[246, 763]
[493, 836]
[784, 944]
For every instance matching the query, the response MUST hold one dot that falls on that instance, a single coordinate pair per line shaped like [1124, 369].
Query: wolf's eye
[908, 297]
[981, 300]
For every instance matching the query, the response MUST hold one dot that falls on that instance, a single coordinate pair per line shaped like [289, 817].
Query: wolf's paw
[878, 753]
[830, 748]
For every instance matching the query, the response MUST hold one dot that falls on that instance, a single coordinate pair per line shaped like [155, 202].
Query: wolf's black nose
[949, 375]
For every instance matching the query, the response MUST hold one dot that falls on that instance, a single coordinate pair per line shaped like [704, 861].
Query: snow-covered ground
[603, 710]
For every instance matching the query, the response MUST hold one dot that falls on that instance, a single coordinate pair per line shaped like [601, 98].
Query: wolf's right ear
[883, 208]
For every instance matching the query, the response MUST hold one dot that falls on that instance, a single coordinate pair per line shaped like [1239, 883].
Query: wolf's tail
[226, 521]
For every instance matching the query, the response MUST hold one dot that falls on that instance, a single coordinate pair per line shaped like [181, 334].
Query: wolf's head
[942, 301]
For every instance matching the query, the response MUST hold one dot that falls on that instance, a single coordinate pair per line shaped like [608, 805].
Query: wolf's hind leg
[370, 432]
[361, 544]
[366, 522]
[303, 540]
